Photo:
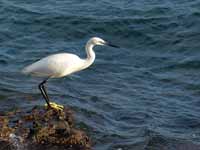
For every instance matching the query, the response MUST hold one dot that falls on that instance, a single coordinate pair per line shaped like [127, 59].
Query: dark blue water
[145, 95]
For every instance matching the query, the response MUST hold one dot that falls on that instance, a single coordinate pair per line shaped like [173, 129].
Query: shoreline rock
[42, 128]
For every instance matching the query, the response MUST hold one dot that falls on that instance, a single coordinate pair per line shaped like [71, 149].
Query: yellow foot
[55, 106]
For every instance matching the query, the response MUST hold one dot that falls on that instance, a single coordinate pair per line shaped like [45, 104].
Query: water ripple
[144, 95]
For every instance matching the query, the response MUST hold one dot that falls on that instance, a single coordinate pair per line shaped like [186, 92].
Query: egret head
[99, 41]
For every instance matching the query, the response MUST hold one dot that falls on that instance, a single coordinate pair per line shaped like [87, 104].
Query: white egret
[63, 64]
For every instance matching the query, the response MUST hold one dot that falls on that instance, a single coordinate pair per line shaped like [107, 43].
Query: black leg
[44, 93]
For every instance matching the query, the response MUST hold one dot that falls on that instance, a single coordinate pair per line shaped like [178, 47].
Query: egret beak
[111, 45]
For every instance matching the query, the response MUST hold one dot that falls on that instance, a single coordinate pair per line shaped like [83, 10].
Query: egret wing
[53, 66]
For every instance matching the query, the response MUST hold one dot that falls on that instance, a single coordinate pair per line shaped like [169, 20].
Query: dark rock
[40, 129]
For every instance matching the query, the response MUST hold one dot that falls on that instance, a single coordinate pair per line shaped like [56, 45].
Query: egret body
[62, 64]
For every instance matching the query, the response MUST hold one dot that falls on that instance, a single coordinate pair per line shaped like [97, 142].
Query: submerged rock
[41, 129]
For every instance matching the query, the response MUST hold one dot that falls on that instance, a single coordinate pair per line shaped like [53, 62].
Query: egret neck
[90, 54]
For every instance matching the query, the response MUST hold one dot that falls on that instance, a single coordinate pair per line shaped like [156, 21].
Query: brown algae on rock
[41, 128]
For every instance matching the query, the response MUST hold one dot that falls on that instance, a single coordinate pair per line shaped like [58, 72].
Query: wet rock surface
[41, 128]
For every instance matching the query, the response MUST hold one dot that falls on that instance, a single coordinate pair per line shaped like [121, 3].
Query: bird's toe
[55, 106]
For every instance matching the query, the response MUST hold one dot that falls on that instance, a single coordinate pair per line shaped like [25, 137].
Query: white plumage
[54, 66]
[63, 64]
[59, 65]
